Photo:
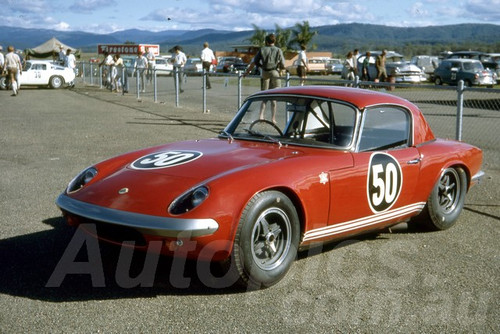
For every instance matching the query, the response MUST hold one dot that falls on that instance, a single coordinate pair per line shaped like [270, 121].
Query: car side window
[384, 128]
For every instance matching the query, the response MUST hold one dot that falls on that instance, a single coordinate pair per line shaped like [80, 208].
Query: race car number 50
[385, 180]
[165, 159]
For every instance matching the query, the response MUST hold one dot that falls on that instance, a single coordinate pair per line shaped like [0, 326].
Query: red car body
[336, 191]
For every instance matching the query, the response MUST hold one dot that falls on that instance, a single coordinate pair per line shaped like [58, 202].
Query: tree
[303, 35]
[283, 38]
[259, 36]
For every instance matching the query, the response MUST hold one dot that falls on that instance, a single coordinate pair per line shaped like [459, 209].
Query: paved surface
[404, 281]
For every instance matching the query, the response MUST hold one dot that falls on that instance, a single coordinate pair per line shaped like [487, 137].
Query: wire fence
[454, 112]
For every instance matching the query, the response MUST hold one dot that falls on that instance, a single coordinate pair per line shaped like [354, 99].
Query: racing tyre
[446, 200]
[56, 82]
[266, 240]
[3, 82]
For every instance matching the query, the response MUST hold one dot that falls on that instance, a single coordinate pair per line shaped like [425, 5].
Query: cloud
[483, 10]
[89, 6]
[24, 6]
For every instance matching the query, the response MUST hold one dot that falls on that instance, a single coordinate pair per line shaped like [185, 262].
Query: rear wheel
[438, 81]
[266, 240]
[446, 200]
[56, 82]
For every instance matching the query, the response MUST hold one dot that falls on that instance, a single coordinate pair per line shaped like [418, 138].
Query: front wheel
[56, 82]
[438, 81]
[446, 200]
[266, 240]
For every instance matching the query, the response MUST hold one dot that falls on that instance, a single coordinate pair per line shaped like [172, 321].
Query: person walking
[380, 64]
[178, 60]
[14, 69]
[140, 66]
[207, 59]
[151, 64]
[365, 73]
[271, 60]
[302, 66]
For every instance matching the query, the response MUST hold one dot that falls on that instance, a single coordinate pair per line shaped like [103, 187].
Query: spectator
[151, 64]
[13, 67]
[207, 59]
[106, 65]
[179, 60]
[302, 67]
[365, 73]
[349, 67]
[380, 64]
[2, 59]
[62, 55]
[70, 60]
[140, 66]
[117, 73]
[270, 58]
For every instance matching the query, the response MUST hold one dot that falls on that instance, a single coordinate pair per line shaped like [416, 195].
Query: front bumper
[146, 224]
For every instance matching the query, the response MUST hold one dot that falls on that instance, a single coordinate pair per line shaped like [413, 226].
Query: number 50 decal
[384, 181]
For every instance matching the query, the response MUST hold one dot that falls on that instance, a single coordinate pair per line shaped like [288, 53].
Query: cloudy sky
[105, 16]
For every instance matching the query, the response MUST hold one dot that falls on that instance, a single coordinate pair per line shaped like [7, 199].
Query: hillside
[335, 38]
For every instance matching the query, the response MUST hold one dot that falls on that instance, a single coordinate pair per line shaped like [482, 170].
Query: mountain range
[335, 38]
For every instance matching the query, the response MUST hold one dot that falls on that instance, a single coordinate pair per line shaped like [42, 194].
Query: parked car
[315, 66]
[163, 66]
[484, 58]
[395, 66]
[230, 64]
[43, 73]
[296, 167]
[334, 66]
[471, 71]
[193, 66]
[427, 64]
[496, 58]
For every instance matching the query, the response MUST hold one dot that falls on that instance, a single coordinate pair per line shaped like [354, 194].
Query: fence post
[91, 73]
[204, 91]
[176, 78]
[137, 90]
[83, 71]
[100, 77]
[356, 81]
[154, 86]
[460, 109]
[287, 79]
[240, 76]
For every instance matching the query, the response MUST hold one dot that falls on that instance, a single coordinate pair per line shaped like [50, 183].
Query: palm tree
[259, 36]
[303, 35]
[283, 38]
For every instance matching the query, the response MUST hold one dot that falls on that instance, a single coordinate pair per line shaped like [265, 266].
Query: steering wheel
[267, 122]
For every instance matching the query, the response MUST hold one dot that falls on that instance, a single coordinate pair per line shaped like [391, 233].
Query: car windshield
[473, 66]
[294, 120]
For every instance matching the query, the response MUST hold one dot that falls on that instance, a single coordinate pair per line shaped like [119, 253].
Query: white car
[163, 66]
[43, 73]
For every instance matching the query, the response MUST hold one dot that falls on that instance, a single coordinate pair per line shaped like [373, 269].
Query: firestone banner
[127, 49]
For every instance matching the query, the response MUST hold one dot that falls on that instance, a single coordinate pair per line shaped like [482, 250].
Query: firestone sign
[127, 49]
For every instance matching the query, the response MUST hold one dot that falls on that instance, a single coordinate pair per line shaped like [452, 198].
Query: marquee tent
[50, 48]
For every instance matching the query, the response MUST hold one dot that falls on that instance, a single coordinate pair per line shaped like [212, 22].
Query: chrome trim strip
[147, 224]
[477, 178]
[330, 230]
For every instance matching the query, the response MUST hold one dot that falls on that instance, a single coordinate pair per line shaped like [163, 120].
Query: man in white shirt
[151, 63]
[207, 59]
[179, 60]
[13, 67]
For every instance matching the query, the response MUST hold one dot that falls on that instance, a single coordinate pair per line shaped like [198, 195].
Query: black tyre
[56, 82]
[3, 82]
[438, 81]
[446, 200]
[266, 240]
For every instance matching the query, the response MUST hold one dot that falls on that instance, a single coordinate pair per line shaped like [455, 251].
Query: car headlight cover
[81, 179]
[189, 200]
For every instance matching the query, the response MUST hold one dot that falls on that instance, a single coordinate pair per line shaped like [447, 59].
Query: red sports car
[295, 167]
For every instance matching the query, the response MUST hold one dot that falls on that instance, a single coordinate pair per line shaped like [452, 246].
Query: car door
[379, 187]
[36, 74]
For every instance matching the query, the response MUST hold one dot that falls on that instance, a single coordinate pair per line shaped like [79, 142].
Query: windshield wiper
[271, 138]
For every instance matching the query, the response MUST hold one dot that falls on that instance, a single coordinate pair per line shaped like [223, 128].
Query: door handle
[414, 161]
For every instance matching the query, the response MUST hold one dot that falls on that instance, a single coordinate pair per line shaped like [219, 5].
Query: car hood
[161, 174]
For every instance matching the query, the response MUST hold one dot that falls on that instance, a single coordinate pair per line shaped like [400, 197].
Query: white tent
[49, 49]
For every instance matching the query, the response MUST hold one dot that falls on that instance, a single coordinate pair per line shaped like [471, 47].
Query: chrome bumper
[153, 225]
[476, 179]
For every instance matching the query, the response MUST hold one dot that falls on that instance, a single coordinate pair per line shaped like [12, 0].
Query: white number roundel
[385, 180]
[165, 159]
